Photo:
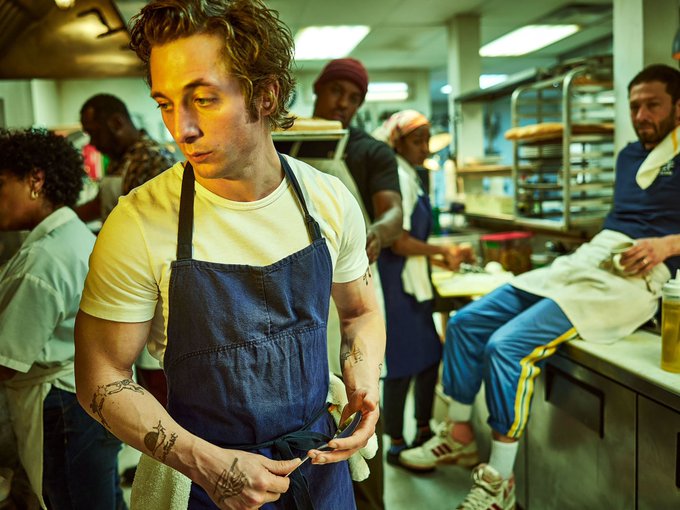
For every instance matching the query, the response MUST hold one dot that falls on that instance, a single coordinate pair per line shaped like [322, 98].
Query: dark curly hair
[25, 151]
[257, 45]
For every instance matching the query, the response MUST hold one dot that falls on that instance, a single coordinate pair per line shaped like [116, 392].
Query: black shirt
[373, 166]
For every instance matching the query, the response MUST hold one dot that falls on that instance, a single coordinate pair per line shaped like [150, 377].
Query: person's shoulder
[359, 140]
[164, 185]
[318, 185]
[634, 149]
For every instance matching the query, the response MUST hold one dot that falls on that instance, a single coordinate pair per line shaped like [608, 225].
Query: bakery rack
[563, 149]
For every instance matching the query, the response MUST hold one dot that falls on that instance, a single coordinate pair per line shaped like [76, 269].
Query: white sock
[459, 412]
[503, 457]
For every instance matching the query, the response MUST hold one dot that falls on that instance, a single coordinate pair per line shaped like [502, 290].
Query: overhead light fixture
[489, 80]
[387, 91]
[65, 4]
[526, 40]
[485, 81]
[327, 42]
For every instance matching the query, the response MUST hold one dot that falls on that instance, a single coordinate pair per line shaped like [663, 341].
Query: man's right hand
[245, 481]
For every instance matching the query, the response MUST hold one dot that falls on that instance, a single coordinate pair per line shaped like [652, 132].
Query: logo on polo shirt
[667, 168]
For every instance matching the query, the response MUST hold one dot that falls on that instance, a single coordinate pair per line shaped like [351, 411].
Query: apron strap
[185, 229]
[312, 225]
[303, 439]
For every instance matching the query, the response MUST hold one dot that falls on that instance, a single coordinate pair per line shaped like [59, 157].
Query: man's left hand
[359, 400]
[645, 255]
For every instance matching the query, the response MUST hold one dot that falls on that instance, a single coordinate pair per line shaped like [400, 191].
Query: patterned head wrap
[401, 124]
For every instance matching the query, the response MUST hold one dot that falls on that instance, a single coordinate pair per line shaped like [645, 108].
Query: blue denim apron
[412, 340]
[246, 357]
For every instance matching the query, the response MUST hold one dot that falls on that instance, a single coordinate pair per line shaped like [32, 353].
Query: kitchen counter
[633, 362]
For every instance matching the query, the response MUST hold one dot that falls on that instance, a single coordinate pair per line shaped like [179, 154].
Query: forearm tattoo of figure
[99, 397]
[354, 356]
[367, 275]
[158, 442]
[230, 483]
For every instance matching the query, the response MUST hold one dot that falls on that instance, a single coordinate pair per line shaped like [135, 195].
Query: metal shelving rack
[564, 180]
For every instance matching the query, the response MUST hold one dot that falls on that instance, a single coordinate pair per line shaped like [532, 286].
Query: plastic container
[670, 325]
[511, 249]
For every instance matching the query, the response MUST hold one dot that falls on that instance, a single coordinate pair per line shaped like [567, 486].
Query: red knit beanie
[348, 69]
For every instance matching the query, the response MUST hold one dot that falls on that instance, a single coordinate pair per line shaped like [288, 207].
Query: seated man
[504, 338]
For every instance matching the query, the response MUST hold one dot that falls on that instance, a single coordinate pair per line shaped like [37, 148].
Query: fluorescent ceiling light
[527, 39]
[489, 80]
[323, 43]
[387, 91]
[485, 81]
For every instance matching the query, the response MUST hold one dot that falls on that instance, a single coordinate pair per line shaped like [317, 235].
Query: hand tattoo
[157, 441]
[354, 356]
[367, 275]
[99, 397]
[230, 484]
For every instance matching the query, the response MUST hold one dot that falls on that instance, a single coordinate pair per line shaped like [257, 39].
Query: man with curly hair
[224, 266]
[70, 459]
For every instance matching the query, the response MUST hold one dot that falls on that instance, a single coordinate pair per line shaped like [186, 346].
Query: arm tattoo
[230, 484]
[354, 356]
[99, 397]
[367, 275]
[158, 443]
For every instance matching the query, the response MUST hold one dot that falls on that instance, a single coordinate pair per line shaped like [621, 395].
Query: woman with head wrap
[413, 345]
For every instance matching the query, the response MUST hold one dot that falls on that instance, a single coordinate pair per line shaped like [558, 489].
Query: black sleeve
[382, 169]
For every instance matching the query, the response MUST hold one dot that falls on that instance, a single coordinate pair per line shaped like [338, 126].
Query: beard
[652, 137]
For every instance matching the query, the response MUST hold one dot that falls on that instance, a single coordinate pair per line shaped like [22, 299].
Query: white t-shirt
[130, 265]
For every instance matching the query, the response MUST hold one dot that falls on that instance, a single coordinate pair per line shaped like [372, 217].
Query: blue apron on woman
[246, 357]
[412, 340]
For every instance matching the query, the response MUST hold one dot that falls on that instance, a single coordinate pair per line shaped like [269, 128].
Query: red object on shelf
[511, 249]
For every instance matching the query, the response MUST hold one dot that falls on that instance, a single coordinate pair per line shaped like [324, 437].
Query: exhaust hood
[89, 40]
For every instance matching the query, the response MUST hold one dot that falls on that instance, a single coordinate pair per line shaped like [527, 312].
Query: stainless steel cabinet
[580, 441]
[658, 456]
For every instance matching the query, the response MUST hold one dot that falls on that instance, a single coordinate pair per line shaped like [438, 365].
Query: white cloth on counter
[160, 487]
[415, 276]
[602, 306]
[657, 158]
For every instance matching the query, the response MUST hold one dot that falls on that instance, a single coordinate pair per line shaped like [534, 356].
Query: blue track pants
[503, 339]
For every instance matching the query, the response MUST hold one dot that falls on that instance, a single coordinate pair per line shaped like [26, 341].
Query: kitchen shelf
[563, 140]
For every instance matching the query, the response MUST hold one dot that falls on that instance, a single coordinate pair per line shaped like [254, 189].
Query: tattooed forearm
[158, 442]
[354, 356]
[99, 397]
[367, 275]
[230, 483]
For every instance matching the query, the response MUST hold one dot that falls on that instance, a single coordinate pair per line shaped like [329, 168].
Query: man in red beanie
[340, 90]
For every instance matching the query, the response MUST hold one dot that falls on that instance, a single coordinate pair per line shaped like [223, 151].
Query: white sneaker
[490, 491]
[440, 449]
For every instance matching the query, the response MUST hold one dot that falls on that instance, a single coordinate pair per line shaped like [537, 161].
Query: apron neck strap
[185, 228]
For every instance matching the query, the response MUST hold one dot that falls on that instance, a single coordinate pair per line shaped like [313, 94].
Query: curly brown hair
[257, 44]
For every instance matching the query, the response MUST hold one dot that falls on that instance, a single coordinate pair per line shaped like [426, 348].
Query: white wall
[46, 103]
[17, 99]
[134, 92]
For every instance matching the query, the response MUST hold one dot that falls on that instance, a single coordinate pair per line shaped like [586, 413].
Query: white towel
[660, 155]
[159, 487]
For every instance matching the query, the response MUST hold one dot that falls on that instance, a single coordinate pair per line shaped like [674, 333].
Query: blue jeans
[80, 458]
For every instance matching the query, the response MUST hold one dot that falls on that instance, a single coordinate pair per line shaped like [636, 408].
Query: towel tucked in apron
[602, 306]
